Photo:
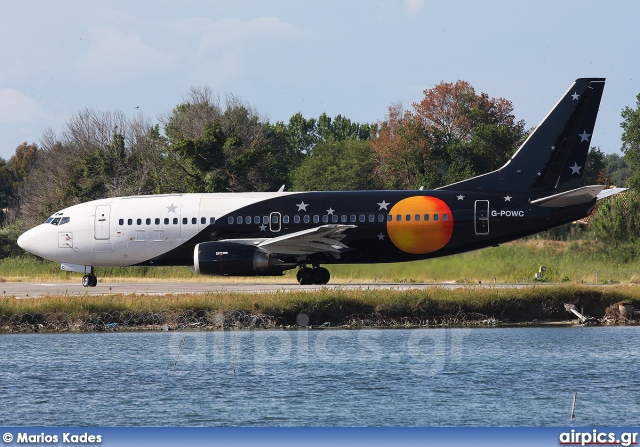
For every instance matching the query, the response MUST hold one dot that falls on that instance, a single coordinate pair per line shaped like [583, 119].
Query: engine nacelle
[232, 259]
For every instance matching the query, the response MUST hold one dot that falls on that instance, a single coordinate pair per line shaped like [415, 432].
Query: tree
[595, 170]
[617, 169]
[452, 134]
[631, 141]
[337, 165]
[225, 148]
[97, 155]
[617, 220]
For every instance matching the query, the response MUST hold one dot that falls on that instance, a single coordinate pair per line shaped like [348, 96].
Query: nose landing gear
[315, 275]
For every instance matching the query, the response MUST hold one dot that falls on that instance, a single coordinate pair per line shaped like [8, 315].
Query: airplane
[267, 233]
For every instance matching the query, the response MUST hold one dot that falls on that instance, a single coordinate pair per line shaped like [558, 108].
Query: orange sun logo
[425, 224]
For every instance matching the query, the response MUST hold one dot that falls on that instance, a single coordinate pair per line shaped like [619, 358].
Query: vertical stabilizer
[553, 158]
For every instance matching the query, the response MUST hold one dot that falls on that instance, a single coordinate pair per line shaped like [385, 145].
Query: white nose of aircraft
[29, 240]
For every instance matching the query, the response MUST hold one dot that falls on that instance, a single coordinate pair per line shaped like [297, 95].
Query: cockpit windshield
[57, 219]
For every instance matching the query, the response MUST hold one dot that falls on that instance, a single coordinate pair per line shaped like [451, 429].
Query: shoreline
[434, 307]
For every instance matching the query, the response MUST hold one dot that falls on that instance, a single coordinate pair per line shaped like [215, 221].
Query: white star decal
[575, 169]
[460, 197]
[330, 211]
[302, 206]
[539, 174]
[584, 136]
[263, 227]
[575, 96]
[381, 237]
[171, 208]
[508, 198]
[383, 205]
[553, 147]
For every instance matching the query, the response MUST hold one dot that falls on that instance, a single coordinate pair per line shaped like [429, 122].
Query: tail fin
[552, 159]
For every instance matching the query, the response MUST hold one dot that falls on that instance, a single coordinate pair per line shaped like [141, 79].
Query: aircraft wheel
[89, 280]
[305, 276]
[321, 275]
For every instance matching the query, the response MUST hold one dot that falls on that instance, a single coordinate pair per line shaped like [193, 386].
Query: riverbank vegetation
[330, 307]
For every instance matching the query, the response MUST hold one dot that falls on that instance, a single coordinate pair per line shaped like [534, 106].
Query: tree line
[206, 144]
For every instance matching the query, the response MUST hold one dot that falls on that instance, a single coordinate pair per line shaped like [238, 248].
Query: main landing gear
[90, 280]
[315, 275]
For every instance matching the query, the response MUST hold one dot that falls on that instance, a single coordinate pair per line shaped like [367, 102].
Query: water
[432, 377]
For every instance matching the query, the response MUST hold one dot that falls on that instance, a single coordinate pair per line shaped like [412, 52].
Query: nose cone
[29, 240]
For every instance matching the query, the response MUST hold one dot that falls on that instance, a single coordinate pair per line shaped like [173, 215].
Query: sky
[348, 57]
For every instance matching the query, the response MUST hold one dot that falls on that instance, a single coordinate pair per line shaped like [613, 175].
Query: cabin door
[274, 222]
[481, 213]
[101, 223]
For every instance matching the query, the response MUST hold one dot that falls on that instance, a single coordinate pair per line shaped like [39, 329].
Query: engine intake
[233, 259]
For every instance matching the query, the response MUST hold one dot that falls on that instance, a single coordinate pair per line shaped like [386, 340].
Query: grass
[431, 306]
[574, 262]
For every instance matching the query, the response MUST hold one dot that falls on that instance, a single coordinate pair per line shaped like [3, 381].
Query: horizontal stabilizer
[610, 192]
[574, 197]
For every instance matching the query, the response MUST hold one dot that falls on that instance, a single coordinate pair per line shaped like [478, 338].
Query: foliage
[452, 134]
[617, 220]
[618, 172]
[631, 141]
[337, 165]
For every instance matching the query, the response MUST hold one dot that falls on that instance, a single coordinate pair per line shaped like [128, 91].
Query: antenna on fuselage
[281, 189]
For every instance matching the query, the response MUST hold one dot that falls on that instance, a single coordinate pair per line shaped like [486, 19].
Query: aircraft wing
[610, 192]
[322, 239]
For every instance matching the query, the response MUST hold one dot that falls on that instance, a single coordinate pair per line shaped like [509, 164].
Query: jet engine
[233, 259]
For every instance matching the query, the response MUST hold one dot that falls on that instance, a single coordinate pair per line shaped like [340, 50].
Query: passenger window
[230, 219]
[445, 217]
[426, 218]
[239, 219]
[417, 217]
[203, 220]
[398, 217]
[296, 219]
[64, 220]
[316, 219]
[175, 221]
[380, 217]
[306, 218]
[389, 218]
[194, 220]
[246, 219]
[265, 219]
[138, 221]
[148, 221]
[157, 221]
[325, 218]
[275, 219]
[343, 218]
[285, 219]
[362, 218]
[435, 217]
[166, 221]
[408, 217]
[352, 218]
[256, 220]
[212, 220]
[372, 218]
[184, 221]
[121, 222]
[129, 221]
[334, 218]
